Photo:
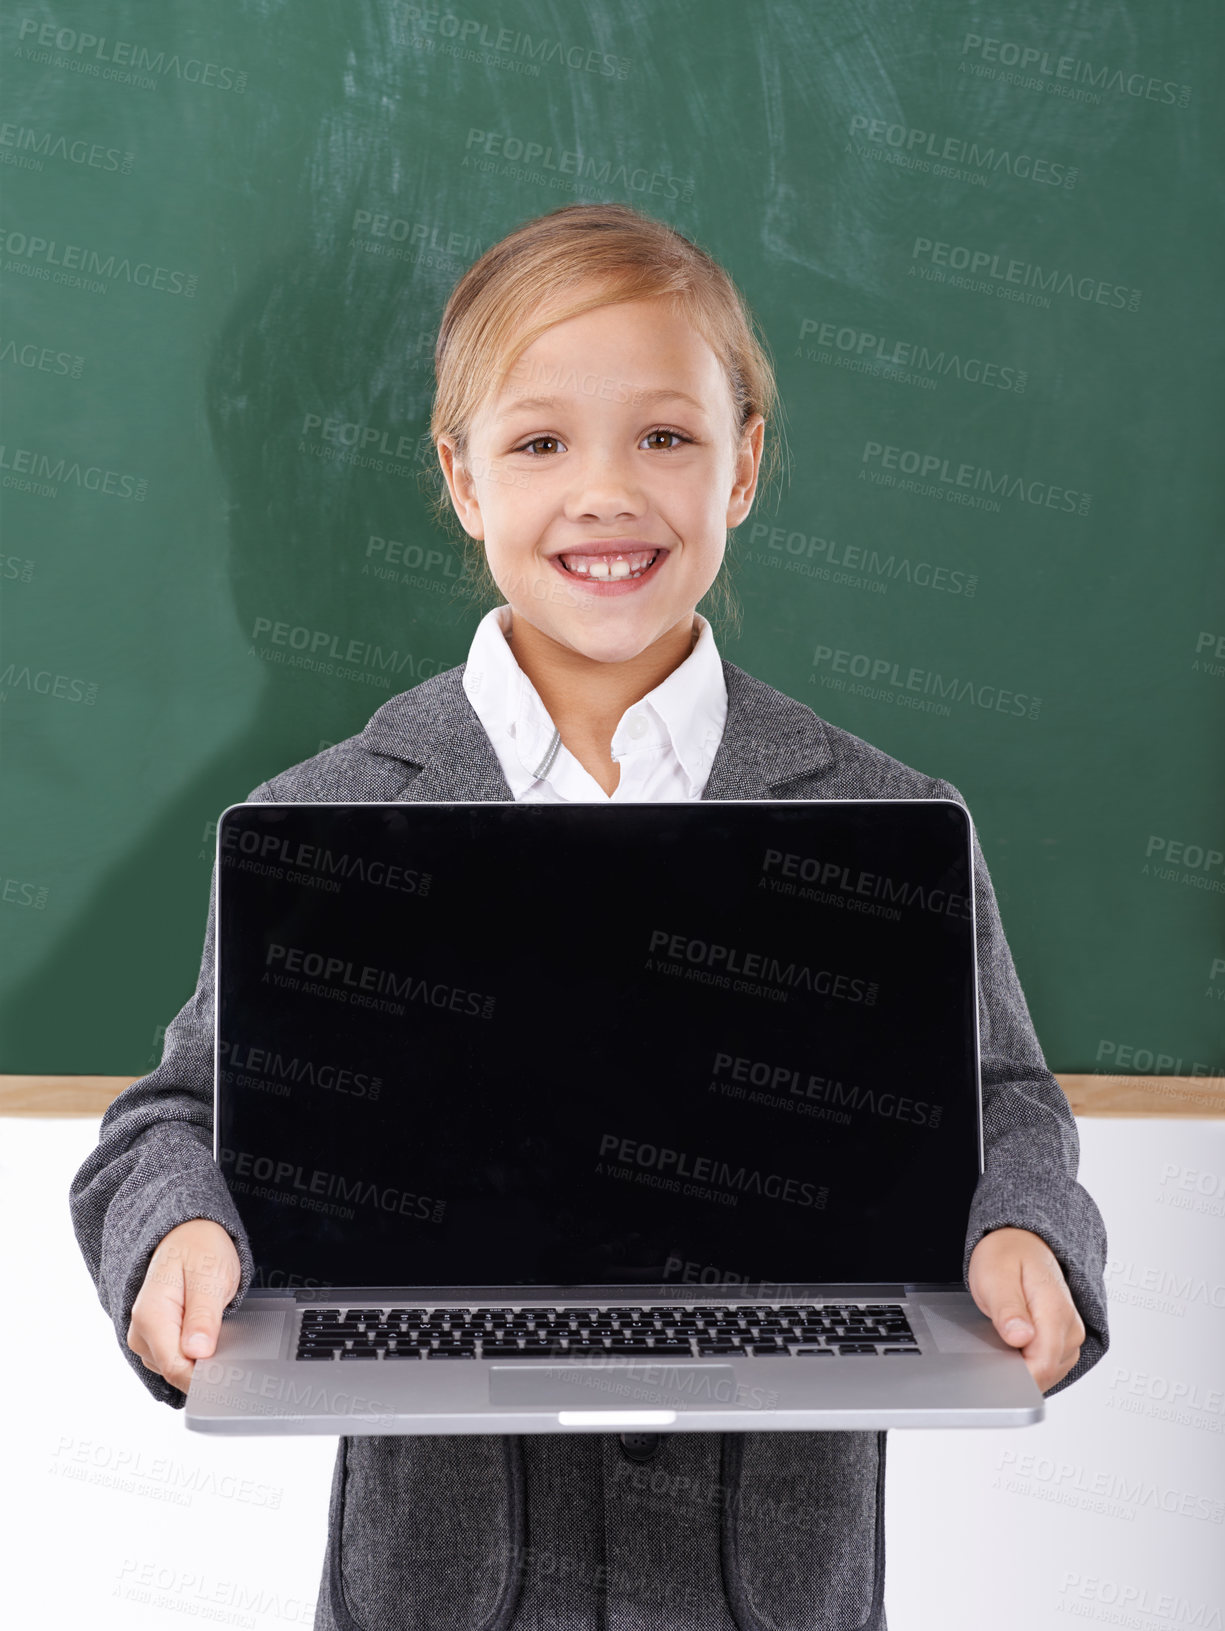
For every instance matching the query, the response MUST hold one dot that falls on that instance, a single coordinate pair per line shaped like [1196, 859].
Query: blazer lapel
[769, 739]
[442, 734]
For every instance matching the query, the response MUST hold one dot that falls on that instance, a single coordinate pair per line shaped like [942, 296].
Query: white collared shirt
[665, 744]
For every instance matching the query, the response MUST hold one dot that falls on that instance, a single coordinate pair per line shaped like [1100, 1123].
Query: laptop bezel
[520, 1294]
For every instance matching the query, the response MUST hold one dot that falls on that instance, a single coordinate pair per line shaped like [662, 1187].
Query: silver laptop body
[566, 1118]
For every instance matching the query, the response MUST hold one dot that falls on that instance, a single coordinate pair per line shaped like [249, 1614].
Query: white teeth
[595, 567]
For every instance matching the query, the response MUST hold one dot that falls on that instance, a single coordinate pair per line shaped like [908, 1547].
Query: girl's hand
[176, 1317]
[1015, 1279]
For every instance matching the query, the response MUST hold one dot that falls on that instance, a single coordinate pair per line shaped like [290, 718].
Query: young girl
[600, 422]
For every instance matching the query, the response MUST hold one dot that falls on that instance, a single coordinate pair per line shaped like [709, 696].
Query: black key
[451, 1353]
[402, 1353]
[359, 1353]
[856, 1347]
[902, 1351]
[814, 1353]
[319, 1353]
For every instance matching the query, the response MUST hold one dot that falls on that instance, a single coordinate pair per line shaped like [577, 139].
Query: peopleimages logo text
[269, 846]
[705, 1169]
[988, 263]
[827, 874]
[291, 1176]
[359, 978]
[756, 965]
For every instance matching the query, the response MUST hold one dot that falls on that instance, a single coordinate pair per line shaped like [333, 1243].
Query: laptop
[641, 1118]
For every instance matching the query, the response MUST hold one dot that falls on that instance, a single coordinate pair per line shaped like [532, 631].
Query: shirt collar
[686, 711]
[689, 707]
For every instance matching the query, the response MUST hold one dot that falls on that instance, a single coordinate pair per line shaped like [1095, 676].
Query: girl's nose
[606, 489]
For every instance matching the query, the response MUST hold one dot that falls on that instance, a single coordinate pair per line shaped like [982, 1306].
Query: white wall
[1111, 1512]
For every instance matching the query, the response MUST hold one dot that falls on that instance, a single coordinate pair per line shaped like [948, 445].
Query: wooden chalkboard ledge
[1088, 1095]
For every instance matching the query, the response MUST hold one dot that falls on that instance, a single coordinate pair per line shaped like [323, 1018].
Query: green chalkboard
[985, 249]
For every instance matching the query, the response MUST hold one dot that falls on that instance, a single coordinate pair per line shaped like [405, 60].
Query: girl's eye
[678, 438]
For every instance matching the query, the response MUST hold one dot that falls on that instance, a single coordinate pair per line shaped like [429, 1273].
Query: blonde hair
[572, 260]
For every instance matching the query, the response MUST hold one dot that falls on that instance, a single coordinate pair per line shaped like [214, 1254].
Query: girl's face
[603, 477]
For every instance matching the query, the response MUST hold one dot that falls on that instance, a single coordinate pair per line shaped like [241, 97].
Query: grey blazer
[719, 1532]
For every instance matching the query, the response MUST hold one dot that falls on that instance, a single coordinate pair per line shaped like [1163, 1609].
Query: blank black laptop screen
[572, 1045]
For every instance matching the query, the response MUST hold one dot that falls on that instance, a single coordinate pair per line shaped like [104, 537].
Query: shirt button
[637, 726]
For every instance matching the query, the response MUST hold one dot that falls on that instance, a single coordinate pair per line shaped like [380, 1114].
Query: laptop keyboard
[759, 1330]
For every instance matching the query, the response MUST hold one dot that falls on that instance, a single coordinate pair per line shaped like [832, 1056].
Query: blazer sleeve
[1031, 1147]
[153, 1166]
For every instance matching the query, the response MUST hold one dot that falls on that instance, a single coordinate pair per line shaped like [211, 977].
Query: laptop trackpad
[624, 1385]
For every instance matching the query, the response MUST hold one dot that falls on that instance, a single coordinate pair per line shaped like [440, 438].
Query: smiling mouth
[616, 565]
